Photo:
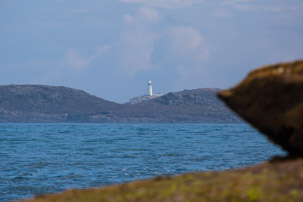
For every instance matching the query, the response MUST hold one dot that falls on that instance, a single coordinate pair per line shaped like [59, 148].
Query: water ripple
[48, 158]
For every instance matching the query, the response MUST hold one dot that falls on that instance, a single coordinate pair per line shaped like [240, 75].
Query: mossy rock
[271, 99]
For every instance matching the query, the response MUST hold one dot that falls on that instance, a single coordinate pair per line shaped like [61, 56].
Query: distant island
[52, 104]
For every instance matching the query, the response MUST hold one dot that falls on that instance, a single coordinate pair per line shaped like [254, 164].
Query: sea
[40, 159]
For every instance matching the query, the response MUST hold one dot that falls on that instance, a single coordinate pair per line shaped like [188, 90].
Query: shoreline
[268, 181]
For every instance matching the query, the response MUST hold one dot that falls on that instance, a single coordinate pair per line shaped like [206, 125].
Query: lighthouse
[150, 95]
[149, 89]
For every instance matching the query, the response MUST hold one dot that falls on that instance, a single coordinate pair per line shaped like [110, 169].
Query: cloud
[243, 7]
[267, 6]
[136, 41]
[187, 39]
[101, 50]
[234, 2]
[77, 61]
[283, 8]
[79, 11]
[136, 47]
[189, 46]
[181, 49]
[148, 14]
[144, 15]
[170, 4]
[182, 53]
[221, 12]
[128, 19]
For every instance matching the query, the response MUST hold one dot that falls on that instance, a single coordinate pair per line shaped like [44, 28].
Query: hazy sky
[111, 48]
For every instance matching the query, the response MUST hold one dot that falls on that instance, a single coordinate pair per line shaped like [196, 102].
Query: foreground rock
[281, 181]
[271, 99]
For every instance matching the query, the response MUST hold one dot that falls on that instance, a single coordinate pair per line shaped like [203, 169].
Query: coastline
[280, 179]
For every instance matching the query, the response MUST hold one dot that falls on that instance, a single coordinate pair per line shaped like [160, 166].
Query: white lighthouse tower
[149, 89]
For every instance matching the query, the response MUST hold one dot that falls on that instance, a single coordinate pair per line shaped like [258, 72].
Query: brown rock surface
[271, 99]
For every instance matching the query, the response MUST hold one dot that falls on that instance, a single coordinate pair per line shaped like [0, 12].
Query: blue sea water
[49, 158]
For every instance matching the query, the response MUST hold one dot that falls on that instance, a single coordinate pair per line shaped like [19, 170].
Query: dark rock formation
[38, 103]
[271, 99]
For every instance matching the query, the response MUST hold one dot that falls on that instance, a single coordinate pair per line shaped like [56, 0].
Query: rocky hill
[189, 98]
[188, 106]
[40, 103]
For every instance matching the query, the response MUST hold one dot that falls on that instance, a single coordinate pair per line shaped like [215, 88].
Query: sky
[112, 48]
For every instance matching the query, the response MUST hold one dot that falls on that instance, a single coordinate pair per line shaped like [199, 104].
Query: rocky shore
[271, 99]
